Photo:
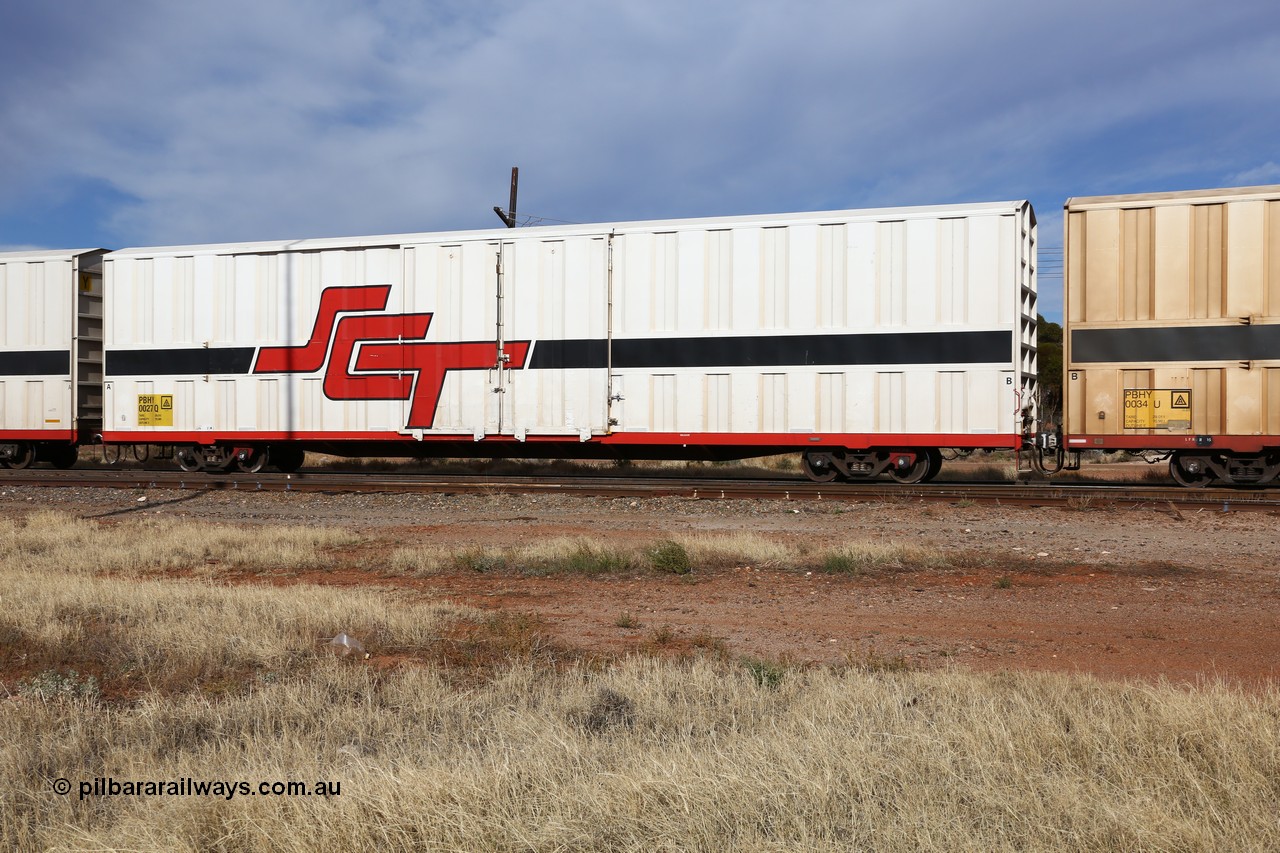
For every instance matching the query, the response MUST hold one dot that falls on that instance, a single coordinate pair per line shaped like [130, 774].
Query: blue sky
[154, 122]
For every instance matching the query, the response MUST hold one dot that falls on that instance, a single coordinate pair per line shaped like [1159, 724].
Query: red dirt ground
[1186, 596]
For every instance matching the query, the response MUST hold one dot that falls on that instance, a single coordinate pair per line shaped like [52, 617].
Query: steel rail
[1071, 494]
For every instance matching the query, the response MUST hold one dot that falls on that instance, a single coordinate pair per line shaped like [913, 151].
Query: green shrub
[765, 673]
[671, 557]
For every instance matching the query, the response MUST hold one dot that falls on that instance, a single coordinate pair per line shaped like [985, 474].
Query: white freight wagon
[50, 354]
[865, 339]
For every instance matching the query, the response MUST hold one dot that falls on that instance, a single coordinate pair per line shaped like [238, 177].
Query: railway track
[1053, 493]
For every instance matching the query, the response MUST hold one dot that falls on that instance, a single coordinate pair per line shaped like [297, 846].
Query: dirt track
[1187, 596]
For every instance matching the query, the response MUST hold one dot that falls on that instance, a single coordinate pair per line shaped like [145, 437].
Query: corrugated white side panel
[831, 405]
[38, 302]
[905, 272]
[833, 271]
[717, 402]
[558, 290]
[455, 283]
[915, 274]
[802, 279]
[952, 409]
[719, 279]
[921, 276]
[36, 298]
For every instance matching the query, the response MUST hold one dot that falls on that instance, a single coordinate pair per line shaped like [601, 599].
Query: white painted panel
[746, 279]
[223, 301]
[719, 279]
[691, 295]
[890, 403]
[717, 403]
[802, 278]
[269, 399]
[801, 400]
[953, 271]
[773, 402]
[984, 396]
[921, 274]
[662, 403]
[833, 275]
[689, 387]
[184, 405]
[224, 402]
[246, 279]
[158, 303]
[774, 278]
[663, 285]
[862, 287]
[891, 269]
[831, 405]
[564, 297]
[33, 402]
[744, 397]
[983, 270]
[205, 270]
[953, 411]
[920, 406]
[633, 270]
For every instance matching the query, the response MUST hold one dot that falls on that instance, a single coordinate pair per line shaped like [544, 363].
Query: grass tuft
[768, 674]
[670, 557]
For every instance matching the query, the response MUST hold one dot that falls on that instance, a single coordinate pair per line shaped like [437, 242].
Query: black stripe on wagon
[1176, 343]
[178, 362]
[778, 350]
[36, 363]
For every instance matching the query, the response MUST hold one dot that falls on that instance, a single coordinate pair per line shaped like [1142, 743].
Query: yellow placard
[1157, 408]
[155, 410]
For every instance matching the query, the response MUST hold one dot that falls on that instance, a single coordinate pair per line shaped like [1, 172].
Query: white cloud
[1267, 173]
[245, 120]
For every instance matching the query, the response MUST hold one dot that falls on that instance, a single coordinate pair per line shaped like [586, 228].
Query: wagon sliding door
[456, 363]
[556, 337]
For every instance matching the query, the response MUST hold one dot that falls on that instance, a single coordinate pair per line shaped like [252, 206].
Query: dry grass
[225, 683]
[649, 755]
[136, 633]
[51, 540]
[872, 555]
[703, 551]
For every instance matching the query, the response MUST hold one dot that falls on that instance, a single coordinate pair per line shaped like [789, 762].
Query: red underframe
[718, 439]
[1238, 443]
[37, 435]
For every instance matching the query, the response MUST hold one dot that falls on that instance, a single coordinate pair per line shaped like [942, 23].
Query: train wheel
[818, 467]
[188, 459]
[917, 472]
[287, 457]
[23, 458]
[1190, 472]
[252, 463]
[935, 463]
[61, 456]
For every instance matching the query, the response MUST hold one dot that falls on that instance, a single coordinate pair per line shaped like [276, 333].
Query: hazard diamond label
[1157, 408]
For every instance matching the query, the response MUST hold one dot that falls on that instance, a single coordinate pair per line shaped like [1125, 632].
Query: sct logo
[394, 361]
